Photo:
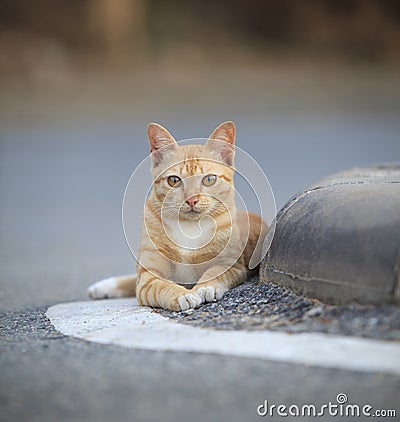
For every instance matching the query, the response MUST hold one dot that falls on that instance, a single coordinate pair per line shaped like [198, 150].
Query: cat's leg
[217, 280]
[122, 286]
[154, 289]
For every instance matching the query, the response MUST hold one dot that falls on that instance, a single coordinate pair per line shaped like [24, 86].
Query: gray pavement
[48, 377]
[62, 187]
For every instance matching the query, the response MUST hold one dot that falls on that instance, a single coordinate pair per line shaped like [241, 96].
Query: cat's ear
[222, 141]
[161, 142]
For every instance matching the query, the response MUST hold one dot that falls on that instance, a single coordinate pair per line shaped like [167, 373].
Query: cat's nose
[192, 201]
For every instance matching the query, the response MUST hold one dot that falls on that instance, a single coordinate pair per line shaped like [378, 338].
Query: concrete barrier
[339, 240]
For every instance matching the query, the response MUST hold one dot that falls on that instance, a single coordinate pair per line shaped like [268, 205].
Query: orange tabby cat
[195, 245]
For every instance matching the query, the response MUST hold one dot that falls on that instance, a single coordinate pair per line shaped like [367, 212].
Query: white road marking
[122, 322]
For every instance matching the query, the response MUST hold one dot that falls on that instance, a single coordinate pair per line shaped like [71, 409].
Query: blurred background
[313, 86]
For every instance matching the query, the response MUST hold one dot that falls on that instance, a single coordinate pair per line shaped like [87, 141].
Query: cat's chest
[190, 236]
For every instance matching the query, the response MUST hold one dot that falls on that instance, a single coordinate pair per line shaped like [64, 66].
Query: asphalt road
[62, 178]
[48, 377]
[61, 189]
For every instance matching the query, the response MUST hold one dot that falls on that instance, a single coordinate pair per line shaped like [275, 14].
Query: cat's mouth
[193, 211]
[192, 214]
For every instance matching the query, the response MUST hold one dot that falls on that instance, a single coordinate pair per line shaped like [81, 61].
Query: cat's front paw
[189, 301]
[210, 293]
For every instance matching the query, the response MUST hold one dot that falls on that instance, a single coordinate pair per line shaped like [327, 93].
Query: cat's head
[193, 180]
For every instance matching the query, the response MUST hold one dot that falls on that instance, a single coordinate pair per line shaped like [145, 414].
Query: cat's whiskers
[218, 208]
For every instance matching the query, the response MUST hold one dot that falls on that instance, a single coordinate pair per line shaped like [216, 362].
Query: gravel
[255, 306]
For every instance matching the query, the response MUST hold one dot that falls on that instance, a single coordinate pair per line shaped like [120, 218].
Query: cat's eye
[174, 181]
[209, 180]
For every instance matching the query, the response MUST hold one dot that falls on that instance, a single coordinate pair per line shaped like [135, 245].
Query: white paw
[103, 289]
[219, 293]
[209, 293]
[189, 301]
